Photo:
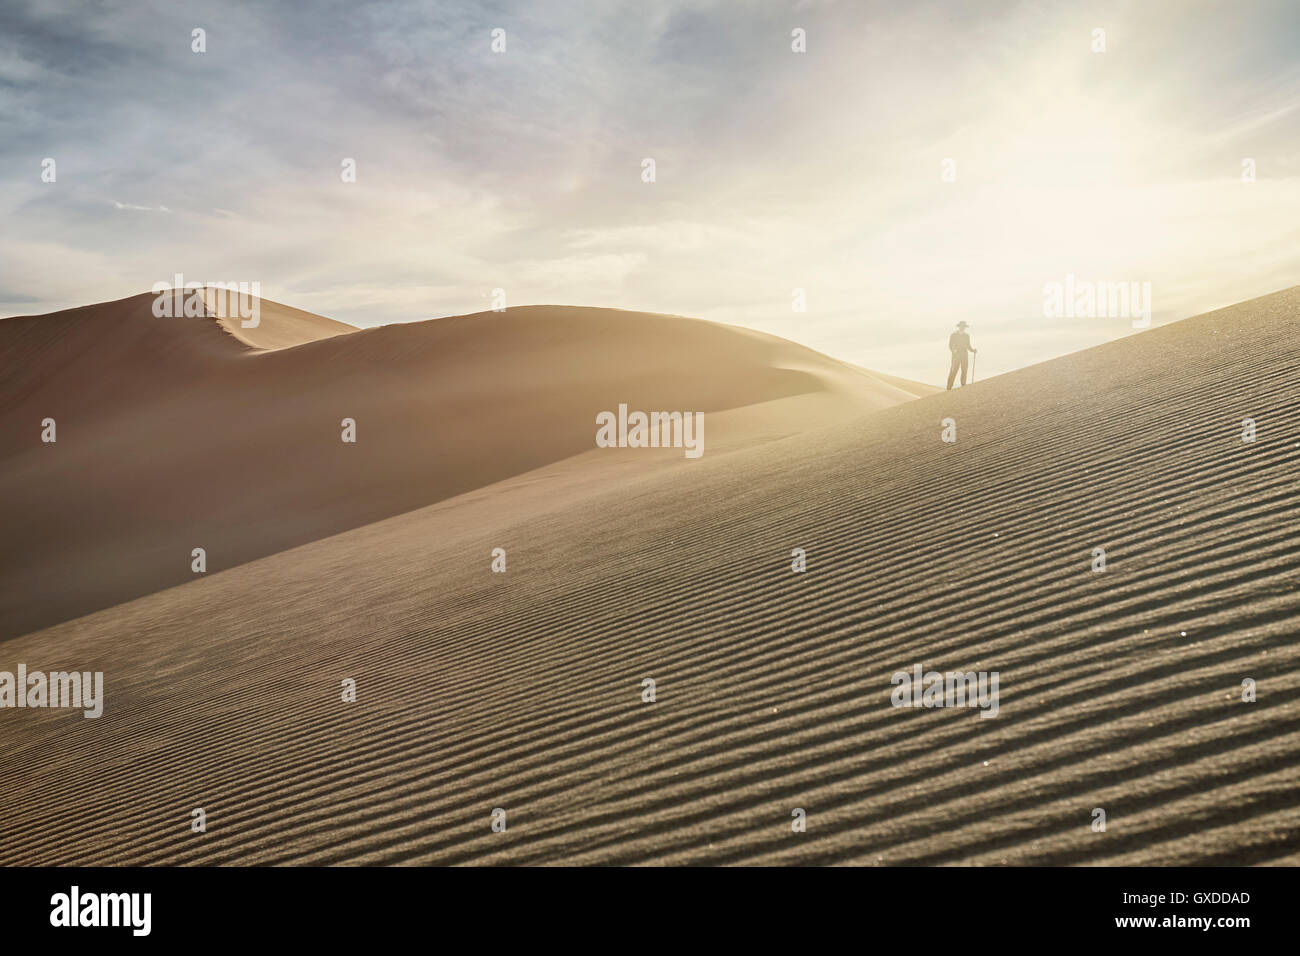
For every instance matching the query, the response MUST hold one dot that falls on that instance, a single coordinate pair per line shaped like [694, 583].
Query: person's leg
[964, 360]
[952, 369]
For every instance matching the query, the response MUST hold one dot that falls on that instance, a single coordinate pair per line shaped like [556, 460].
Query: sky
[918, 163]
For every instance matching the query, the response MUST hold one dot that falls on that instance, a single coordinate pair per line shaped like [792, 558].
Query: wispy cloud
[123, 205]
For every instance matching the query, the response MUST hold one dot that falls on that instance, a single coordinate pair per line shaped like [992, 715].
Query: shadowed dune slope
[183, 433]
[1120, 690]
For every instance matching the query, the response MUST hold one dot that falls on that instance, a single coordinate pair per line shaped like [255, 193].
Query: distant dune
[177, 433]
[1120, 690]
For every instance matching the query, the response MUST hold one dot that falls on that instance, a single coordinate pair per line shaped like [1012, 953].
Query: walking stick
[973, 357]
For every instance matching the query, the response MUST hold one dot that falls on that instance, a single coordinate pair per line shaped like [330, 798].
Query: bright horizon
[774, 170]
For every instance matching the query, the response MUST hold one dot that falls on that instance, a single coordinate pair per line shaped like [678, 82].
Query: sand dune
[1120, 690]
[277, 326]
[183, 433]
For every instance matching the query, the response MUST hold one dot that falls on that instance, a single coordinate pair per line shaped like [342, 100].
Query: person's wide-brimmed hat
[963, 325]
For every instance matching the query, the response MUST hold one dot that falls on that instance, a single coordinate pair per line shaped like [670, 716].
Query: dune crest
[278, 326]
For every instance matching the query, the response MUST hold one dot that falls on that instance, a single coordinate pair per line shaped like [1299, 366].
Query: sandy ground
[1120, 690]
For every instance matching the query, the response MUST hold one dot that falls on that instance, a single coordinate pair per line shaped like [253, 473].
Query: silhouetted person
[959, 346]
